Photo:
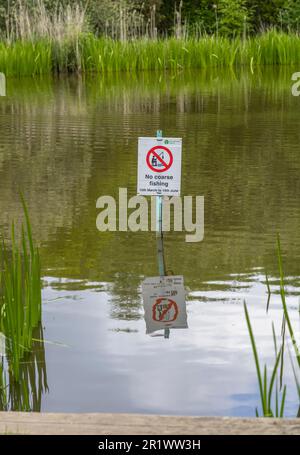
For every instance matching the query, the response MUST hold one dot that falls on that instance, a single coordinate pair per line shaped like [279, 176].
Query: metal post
[159, 235]
[159, 228]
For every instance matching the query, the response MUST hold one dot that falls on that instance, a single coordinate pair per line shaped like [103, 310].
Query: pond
[65, 142]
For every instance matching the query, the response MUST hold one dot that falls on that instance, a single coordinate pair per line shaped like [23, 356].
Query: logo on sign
[164, 310]
[159, 158]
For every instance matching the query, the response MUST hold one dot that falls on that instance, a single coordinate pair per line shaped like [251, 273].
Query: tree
[289, 16]
[200, 15]
[166, 12]
[265, 13]
[233, 17]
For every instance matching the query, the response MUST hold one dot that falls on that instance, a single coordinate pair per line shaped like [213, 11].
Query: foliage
[266, 387]
[91, 54]
[133, 18]
[273, 406]
[265, 14]
[20, 294]
[290, 15]
[234, 17]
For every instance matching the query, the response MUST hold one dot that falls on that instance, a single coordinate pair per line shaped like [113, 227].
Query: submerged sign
[164, 303]
[159, 166]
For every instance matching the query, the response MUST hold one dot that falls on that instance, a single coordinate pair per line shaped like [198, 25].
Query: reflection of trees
[40, 133]
[125, 300]
[26, 394]
[66, 142]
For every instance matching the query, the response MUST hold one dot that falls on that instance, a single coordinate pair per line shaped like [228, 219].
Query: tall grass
[39, 41]
[66, 22]
[266, 388]
[26, 58]
[20, 294]
[88, 53]
[270, 48]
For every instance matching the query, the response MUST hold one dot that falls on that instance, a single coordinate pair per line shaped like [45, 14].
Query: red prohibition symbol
[156, 161]
[160, 317]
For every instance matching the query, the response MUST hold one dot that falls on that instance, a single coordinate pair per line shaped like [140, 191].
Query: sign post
[160, 237]
[159, 229]
[159, 174]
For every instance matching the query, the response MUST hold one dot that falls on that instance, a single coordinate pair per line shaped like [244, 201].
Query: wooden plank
[135, 424]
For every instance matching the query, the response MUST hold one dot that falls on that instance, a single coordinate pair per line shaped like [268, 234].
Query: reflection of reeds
[266, 388]
[26, 393]
[20, 299]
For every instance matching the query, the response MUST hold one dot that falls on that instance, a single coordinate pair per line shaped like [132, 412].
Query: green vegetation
[271, 48]
[20, 295]
[26, 393]
[25, 58]
[266, 388]
[274, 406]
[234, 18]
[23, 377]
[121, 19]
[40, 38]
[103, 55]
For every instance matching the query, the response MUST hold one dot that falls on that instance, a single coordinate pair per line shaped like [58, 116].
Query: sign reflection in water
[164, 303]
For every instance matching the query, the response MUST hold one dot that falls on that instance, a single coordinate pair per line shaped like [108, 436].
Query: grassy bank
[87, 53]
[44, 39]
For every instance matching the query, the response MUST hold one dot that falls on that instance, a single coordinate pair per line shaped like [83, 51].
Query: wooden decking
[134, 424]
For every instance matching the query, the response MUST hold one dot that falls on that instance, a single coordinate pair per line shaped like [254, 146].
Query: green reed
[88, 53]
[266, 388]
[26, 58]
[20, 294]
[270, 48]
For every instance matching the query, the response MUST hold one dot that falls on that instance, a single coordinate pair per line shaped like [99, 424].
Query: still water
[65, 142]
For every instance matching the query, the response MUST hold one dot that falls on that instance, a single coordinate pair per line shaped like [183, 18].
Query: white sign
[2, 344]
[164, 303]
[2, 85]
[159, 166]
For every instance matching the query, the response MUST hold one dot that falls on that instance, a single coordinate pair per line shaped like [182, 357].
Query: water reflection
[25, 394]
[66, 142]
[63, 143]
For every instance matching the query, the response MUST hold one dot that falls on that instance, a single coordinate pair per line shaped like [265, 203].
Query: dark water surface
[66, 142]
